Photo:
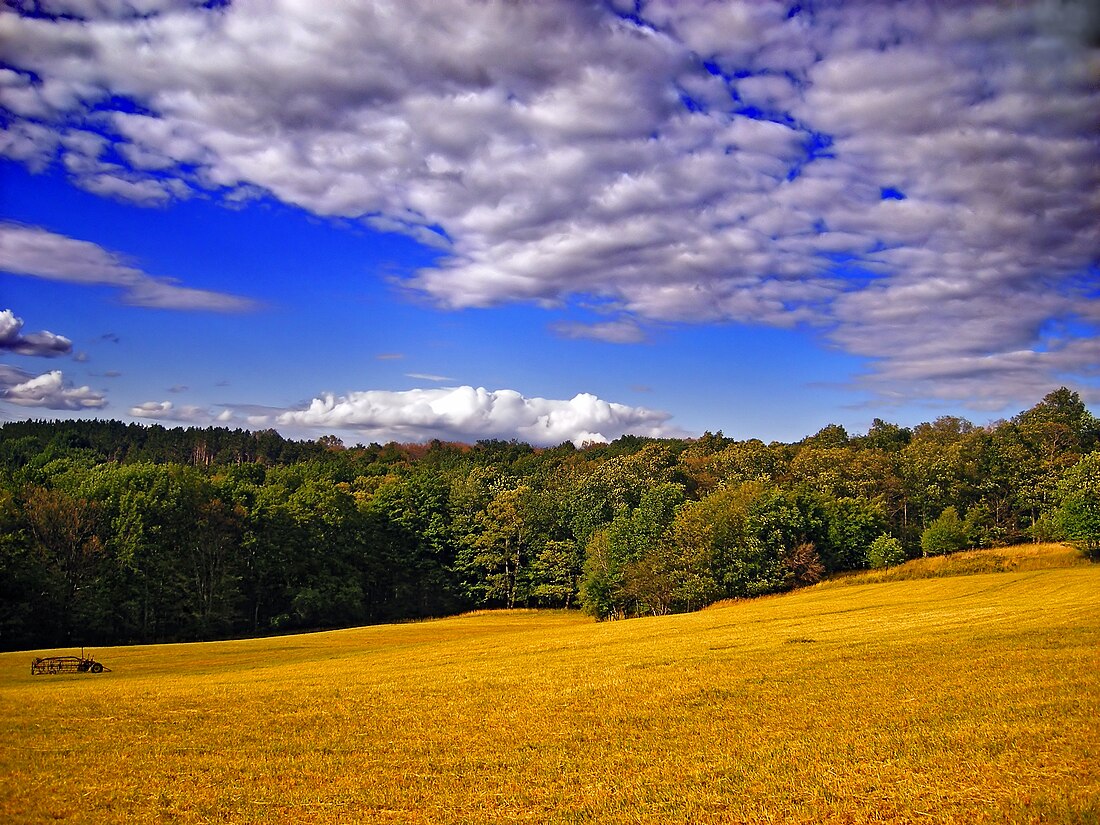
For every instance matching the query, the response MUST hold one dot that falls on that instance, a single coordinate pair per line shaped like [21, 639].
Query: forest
[114, 533]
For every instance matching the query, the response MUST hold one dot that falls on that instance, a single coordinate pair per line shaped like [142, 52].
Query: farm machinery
[67, 664]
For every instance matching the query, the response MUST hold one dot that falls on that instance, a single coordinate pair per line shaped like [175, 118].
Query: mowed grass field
[953, 699]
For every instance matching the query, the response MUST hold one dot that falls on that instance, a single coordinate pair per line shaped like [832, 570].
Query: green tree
[425, 517]
[843, 472]
[150, 518]
[751, 460]
[853, 524]
[885, 436]
[829, 436]
[66, 531]
[210, 548]
[1078, 516]
[554, 573]
[946, 534]
[498, 555]
[24, 581]
[1056, 432]
[885, 551]
[785, 518]
[939, 468]
[1004, 475]
[627, 574]
[720, 537]
[601, 582]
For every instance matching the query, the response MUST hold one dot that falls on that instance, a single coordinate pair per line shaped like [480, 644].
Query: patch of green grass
[962, 699]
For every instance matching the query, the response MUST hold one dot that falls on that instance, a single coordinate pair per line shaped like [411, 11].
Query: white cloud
[428, 377]
[44, 343]
[464, 414]
[469, 414]
[167, 411]
[549, 147]
[38, 253]
[49, 390]
[621, 331]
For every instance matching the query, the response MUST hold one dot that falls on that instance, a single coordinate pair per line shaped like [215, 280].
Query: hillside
[953, 699]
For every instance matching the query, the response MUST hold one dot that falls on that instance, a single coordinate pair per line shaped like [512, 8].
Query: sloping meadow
[964, 699]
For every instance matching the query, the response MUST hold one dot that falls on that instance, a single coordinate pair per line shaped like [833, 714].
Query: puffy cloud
[44, 343]
[468, 414]
[456, 414]
[697, 162]
[49, 390]
[38, 253]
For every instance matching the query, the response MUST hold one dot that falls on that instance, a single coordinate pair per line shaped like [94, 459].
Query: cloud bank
[464, 414]
[467, 414]
[919, 182]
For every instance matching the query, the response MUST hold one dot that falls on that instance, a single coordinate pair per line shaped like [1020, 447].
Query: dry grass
[1017, 558]
[966, 699]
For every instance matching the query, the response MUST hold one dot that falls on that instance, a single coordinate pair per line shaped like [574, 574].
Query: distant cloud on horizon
[49, 390]
[469, 414]
[465, 414]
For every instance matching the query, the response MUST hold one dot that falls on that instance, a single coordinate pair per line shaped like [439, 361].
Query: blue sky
[558, 221]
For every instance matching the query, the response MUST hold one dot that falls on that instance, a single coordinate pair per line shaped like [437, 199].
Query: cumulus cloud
[44, 343]
[49, 390]
[916, 181]
[469, 414]
[38, 253]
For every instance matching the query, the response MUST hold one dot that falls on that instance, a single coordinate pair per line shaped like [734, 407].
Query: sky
[550, 221]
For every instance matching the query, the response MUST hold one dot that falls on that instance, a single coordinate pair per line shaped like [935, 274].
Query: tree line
[115, 533]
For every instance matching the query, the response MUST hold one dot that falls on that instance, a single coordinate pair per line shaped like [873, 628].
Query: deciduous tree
[1079, 513]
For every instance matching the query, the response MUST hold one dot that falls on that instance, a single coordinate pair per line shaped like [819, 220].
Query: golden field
[949, 699]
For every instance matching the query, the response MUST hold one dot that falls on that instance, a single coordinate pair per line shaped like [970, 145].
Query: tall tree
[66, 531]
[499, 554]
[1056, 432]
[1079, 512]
